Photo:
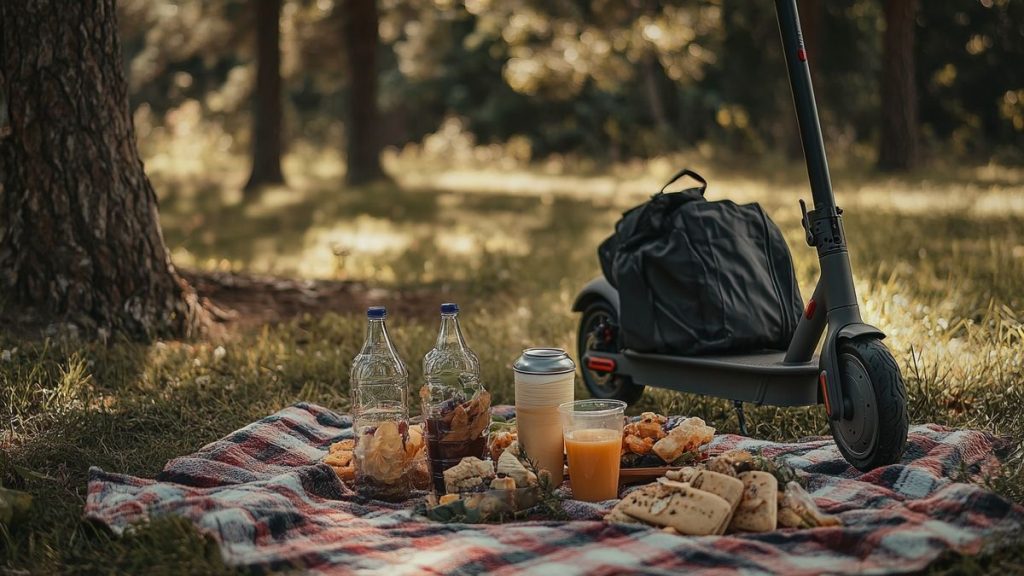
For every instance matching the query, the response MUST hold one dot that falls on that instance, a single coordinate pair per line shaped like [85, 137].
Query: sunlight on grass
[937, 257]
[938, 260]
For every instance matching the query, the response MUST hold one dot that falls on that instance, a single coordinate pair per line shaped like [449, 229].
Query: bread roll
[726, 487]
[690, 511]
[503, 484]
[758, 510]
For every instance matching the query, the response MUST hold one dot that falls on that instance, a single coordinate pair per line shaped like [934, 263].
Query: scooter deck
[758, 378]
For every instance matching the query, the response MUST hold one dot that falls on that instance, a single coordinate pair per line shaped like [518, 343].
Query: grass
[939, 262]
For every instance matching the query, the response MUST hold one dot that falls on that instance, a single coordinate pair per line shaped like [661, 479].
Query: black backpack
[700, 277]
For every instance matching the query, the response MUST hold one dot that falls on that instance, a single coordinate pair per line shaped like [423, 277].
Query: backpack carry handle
[691, 174]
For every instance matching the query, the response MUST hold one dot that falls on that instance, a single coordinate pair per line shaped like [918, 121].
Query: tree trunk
[266, 110]
[898, 149]
[812, 16]
[650, 65]
[363, 141]
[80, 240]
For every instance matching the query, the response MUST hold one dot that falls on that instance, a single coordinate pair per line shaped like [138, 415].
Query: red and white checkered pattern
[262, 493]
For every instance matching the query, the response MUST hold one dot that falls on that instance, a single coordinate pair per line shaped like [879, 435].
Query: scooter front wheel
[873, 429]
[598, 317]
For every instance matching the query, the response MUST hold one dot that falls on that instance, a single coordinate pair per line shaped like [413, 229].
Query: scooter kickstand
[741, 417]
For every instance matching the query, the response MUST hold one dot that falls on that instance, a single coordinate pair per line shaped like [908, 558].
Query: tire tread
[891, 401]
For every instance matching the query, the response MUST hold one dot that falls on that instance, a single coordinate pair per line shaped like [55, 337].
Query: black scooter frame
[834, 300]
[791, 378]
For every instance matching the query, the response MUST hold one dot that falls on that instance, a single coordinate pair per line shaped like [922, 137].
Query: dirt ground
[241, 300]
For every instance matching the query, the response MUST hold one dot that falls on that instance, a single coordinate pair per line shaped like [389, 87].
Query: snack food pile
[341, 459]
[503, 434]
[387, 451]
[647, 443]
[480, 490]
[461, 420]
[734, 492]
[456, 429]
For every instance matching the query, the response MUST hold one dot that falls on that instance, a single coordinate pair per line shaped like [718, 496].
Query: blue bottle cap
[376, 312]
[449, 308]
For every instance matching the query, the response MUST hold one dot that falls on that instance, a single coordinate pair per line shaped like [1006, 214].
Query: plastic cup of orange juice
[593, 441]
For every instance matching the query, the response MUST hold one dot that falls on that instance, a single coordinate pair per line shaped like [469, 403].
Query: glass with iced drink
[593, 442]
[544, 379]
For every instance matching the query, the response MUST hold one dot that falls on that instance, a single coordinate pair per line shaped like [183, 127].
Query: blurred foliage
[609, 79]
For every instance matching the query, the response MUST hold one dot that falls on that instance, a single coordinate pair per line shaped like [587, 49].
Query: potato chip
[347, 444]
[414, 443]
[340, 458]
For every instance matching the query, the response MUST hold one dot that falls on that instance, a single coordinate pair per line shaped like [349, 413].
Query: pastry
[500, 441]
[798, 510]
[681, 475]
[503, 483]
[510, 466]
[637, 445]
[726, 487]
[469, 475]
[690, 511]
[758, 511]
[727, 462]
[346, 445]
[689, 435]
[639, 437]
[341, 459]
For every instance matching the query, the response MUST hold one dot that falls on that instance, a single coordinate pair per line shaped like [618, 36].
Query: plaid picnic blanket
[262, 493]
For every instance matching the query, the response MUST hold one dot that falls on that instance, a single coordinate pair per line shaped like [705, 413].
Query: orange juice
[594, 463]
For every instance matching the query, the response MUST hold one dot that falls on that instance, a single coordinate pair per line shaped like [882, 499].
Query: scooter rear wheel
[602, 384]
[873, 429]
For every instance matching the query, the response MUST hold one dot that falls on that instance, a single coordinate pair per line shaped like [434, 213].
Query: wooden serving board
[639, 475]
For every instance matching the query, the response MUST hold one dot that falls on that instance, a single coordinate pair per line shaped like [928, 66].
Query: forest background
[298, 160]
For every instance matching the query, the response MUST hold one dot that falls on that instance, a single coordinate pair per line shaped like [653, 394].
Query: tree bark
[80, 240]
[654, 100]
[363, 141]
[651, 68]
[812, 17]
[898, 149]
[267, 114]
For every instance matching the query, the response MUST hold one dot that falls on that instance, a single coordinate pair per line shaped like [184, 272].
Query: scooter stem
[803, 99]
[824, 227]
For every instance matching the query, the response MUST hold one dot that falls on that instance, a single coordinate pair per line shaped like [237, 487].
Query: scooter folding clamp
[824, 228]
[806, 223]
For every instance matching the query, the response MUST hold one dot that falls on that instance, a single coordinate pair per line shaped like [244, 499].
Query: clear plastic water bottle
[379, 388]
[456, 408]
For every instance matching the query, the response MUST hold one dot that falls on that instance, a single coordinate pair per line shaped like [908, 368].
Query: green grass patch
[938, 265]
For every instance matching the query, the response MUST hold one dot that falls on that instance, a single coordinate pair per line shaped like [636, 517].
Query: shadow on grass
[945, 287]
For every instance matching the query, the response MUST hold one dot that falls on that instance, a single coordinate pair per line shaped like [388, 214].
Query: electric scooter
[854, 376]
